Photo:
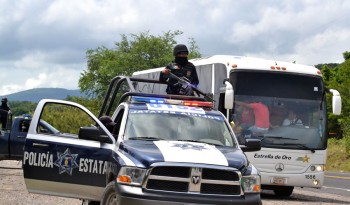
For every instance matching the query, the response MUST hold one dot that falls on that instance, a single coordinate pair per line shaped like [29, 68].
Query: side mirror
[93, 133]
[251, 145]
[336, 102]
[228, 95]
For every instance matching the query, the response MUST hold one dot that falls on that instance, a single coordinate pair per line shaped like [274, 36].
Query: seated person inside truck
[25, 125]
[108, 123]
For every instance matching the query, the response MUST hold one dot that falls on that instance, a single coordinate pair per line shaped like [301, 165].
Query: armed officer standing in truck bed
[182, 68]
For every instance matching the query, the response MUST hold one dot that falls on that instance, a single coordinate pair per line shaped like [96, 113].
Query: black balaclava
[181, 60]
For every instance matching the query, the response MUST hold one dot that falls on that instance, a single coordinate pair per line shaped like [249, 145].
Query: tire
[109, 195]
[87, 202]
[283, 191]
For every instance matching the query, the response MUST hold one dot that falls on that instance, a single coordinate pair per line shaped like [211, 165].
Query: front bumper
[306, 179]
[128, 195]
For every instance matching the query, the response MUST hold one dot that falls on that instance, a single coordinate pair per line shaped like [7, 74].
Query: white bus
[291, 156]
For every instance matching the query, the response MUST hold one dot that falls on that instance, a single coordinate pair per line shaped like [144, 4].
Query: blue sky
[43, 43]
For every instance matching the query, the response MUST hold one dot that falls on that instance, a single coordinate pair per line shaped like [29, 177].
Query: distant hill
[36, 94]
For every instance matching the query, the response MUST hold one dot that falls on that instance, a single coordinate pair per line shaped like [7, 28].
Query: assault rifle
[184, 83]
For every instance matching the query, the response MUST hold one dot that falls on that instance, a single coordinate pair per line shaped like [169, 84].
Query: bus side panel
[150, 87]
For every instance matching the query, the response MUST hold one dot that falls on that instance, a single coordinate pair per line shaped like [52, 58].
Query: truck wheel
[283, 191]
[87, 202]
[109, 195]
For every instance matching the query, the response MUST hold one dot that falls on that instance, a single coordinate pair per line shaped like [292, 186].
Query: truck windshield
[268, 107]
[211, 129]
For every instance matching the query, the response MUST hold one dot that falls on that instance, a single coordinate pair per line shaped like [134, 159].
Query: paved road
[336, 191]
[337, 183]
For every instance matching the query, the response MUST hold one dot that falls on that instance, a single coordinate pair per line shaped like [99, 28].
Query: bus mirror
[228, 95]
[336, 102]
[251, 145]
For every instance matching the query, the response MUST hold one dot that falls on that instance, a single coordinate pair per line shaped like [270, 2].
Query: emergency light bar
[148, 100]
[171, 101]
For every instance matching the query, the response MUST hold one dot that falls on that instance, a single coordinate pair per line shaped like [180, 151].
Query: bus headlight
[131, 176]
[251, 183]
[317, 167]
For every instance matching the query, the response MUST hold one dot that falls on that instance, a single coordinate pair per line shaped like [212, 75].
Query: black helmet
[180, 48]
[4, 99]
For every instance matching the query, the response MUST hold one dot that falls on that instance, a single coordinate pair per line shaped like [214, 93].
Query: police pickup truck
[13, 137]
[164, 149]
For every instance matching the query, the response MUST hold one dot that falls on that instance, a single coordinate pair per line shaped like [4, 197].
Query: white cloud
[31, 60]
[12, 88]
[330, 45]
[41, 79]
[56, 76]
[306, 31]
[43, 43]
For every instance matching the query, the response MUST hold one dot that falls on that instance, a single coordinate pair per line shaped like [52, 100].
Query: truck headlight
[251, 184]
[131, 175]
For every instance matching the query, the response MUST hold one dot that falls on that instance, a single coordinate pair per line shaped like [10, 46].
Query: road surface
[336, 191]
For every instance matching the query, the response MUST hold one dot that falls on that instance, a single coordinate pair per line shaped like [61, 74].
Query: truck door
[18, 137]
[69, 162]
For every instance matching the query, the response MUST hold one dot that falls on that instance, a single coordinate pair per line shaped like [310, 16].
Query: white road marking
[328, 187]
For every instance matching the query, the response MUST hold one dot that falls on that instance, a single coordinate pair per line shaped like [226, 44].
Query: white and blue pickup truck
[164, 149]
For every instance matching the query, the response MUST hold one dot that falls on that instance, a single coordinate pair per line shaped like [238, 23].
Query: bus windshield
[293, 118]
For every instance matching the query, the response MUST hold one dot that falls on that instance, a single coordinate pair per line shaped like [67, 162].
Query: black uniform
[187, 70]
[4, 108]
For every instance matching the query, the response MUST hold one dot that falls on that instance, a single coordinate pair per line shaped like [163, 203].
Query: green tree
[329, 65]
[342, 83]
[133, 53]
[333, 123]
[92, 104]
[339, 79]
[67, 119]
[326, 73]
[346, 55]
[22, 107]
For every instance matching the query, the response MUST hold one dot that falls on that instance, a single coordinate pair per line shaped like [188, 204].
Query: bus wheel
[109, 196]
[283, 191]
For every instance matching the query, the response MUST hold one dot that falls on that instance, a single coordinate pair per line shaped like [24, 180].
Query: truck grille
[194, 180]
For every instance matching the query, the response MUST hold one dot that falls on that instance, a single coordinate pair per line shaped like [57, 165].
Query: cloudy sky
[43, 43]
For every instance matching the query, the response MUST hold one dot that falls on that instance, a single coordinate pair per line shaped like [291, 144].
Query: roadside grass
[338, 158]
